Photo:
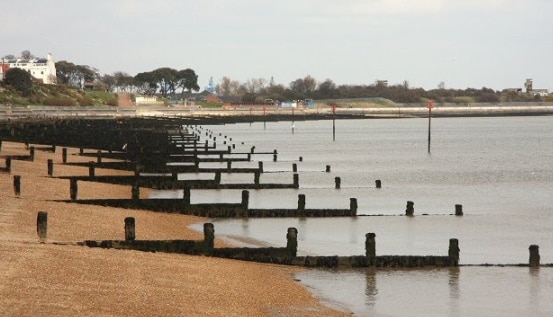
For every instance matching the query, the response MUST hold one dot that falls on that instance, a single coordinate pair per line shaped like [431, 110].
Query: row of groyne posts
[277, 255]
[151, 152]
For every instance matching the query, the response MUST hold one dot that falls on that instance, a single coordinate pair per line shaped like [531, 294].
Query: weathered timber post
[135, 192]
[458, 210]
[233, 146]
[53, 148]
[91, 169]
[50, 164]
[81, 151]
[328, 168]
[275, 154]
[229, 164]
[301, 204]
[206, 145]
[534, 260]
[8, 164]
[64, 155]
[294, 167]
[249, 157]
[453, 252]
[256, 178]
[99, 156]
[292, 241]
[245, 203]
[196, 162]
[410, 209]
[32, 152]
[353, 207]
[218, 178]
[337, 182]
[370, 244]
[378, 183]
[260, 167]
[186, 197]
[301, 159]
[252, 149]
[229, 149]
[209, 236]
[130, 230]
[296, 180]
[73, 189]
[17, 185]
[42, 225]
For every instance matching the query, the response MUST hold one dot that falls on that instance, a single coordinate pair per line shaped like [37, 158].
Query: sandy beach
[61, 278]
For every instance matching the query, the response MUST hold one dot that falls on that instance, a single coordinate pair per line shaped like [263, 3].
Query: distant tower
[211, 86]
[528, 85]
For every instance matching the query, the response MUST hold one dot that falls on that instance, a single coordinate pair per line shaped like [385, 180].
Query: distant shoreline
[251, 114]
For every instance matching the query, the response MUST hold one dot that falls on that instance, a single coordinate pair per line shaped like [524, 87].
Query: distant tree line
[167, 81]
[257, 90]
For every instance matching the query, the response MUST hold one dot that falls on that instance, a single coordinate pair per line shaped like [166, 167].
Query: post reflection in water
[454, 292]
[371, 291]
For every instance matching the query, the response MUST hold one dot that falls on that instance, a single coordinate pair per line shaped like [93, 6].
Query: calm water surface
[499, 169]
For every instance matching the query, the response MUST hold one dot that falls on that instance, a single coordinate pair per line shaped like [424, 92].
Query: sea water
[500, 169]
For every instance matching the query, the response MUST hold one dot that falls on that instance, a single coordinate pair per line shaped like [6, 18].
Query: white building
[40, 68]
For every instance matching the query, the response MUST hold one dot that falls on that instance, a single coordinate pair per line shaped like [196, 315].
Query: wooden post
[91, 169]
[50, 163]
[458, 210]
[74, 189]
[218, 178]
[292, 241]
[301, 204]
[296, 180]
[256, 178]
[328, 168]
[378, 183]
[17, 185]
[301, 159]
[534, 260]
[186, 197]
[32, 152]
[337, 182]
[260, 166]
[275, 155]
[453, 252]
[229, 164]
[245, 202]
[42, 225]
[353, 206]
[8, 164]
[64, 155]
[99, 156]
[370, 244]
[209, 236]
[130, 230]
[294, 167]
[410, 209]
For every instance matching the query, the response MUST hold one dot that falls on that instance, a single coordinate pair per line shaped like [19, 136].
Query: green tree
[187, 79]
[146, 83]
[20, 80]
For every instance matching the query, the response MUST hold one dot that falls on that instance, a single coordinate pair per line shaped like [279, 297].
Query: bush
[20, 80]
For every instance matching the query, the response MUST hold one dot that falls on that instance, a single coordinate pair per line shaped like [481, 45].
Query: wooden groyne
[279, 255]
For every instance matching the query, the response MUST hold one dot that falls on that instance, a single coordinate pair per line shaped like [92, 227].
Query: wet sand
[60, 278]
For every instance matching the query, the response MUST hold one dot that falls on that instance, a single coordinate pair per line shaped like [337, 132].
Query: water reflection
[454, 292]
[371, 291]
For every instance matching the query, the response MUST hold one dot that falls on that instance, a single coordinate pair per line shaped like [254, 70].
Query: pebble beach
[61, 278]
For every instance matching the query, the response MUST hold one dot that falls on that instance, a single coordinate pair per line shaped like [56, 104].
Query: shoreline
[61, 279]
[252, 114]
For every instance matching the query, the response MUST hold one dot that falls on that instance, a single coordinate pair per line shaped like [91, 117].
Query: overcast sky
[463, 43]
